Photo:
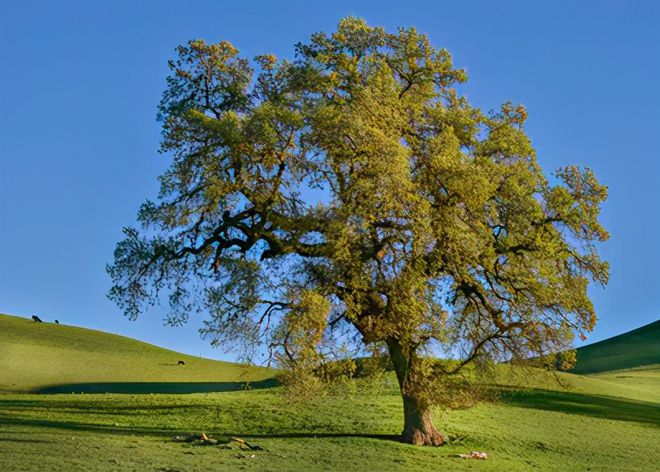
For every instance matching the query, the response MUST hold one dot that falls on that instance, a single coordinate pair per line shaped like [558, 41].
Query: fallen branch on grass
[202, 439]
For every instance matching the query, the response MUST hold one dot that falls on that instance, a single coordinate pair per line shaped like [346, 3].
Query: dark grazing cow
[57, 321]
[181, 363]
[36, 319]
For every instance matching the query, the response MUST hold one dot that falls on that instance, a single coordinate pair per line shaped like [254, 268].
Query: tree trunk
[418, 428]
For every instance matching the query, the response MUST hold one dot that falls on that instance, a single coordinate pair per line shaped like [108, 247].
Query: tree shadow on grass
[83, 426]
[96, 407]
[158, 387]
[33, 413]
[25, 441]
[168, 432]
[598, 406]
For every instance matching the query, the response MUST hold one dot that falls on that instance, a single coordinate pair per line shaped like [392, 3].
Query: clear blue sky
[80, 81]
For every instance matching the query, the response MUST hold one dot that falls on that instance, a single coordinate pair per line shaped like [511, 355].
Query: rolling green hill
[608, 421]
[639, 347]
[45, 357]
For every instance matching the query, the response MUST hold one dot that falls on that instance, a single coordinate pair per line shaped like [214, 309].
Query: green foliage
[430, 387]
[303, 326]
[565, 360]
[434, 226]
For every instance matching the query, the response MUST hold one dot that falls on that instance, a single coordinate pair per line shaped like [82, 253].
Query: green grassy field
[37, 357]
[531, 430]
[639, 347]
[604, 422]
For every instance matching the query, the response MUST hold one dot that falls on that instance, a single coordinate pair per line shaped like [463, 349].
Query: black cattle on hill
[36, 319]
[181, 363]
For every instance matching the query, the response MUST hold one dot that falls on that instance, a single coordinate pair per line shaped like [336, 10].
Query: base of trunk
[419, 430]
[418, 437]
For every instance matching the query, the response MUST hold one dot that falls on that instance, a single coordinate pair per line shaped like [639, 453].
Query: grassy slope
[641, 384]
[638, 347]
[645, 380]
[533, 430]
[34, 356]
[604, 422]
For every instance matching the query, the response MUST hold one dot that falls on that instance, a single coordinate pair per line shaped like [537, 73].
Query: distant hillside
[639, 347]
[58, 358]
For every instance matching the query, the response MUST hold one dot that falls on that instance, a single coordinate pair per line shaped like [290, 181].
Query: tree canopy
[352, 190]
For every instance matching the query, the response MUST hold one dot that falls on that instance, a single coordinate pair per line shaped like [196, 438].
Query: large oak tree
[354, 187]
